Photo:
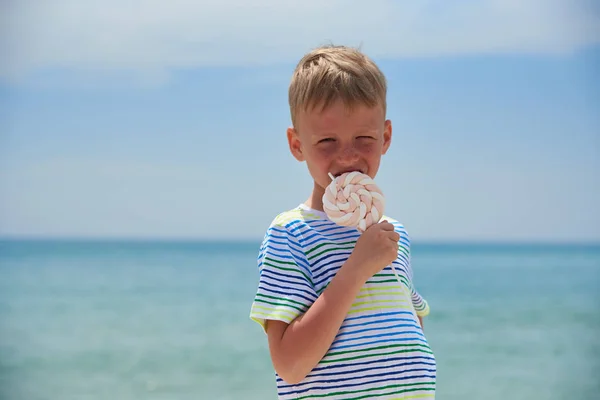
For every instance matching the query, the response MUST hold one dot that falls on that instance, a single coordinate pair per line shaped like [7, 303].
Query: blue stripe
[330, 231]
[277, 232]
[376, 329]
[330, 274]
[333, 227]
[405, 371]
[277, 277]
[300, 260]
[379, 321]
[352, 237]
[398, 340]
[286, 295]
[295, 226]
[268, 244]
[286, 231]
[368, 369]
[373, 364]
[401, 261]
[399, 378]
[274, 252]
[336, 258]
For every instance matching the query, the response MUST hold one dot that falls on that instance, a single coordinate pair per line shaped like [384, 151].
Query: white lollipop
[353, 199]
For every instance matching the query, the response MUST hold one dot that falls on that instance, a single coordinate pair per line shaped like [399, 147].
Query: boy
[340, 325]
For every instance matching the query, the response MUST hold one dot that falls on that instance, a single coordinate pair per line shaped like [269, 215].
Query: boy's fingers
[395, 236]
[386, 226]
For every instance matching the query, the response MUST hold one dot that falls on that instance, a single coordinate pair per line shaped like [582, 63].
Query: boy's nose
[348, 155]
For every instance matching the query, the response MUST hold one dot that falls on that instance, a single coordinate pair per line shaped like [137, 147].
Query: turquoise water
[143, 320]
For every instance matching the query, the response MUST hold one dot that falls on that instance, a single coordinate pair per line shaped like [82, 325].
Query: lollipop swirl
[353, 199]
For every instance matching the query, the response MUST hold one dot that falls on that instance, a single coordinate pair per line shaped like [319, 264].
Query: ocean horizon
[99, 318]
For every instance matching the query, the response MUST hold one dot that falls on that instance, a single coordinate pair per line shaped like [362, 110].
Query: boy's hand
[376, 248]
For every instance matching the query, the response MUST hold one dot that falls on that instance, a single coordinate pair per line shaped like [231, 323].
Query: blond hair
[331, 73]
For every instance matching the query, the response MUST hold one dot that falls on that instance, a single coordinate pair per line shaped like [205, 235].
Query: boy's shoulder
[292, 216]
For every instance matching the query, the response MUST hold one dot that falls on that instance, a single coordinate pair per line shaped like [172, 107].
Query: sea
[169, 320]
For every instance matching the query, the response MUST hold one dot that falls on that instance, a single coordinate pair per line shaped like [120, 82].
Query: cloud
[152, 37]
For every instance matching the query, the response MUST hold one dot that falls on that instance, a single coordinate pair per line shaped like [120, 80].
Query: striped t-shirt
[380, 351]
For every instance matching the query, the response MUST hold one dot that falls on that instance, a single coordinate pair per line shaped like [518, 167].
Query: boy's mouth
[345, 171]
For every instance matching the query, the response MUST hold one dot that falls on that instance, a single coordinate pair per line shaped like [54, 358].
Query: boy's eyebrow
[367, 130]
[330, 133]
[323, 133]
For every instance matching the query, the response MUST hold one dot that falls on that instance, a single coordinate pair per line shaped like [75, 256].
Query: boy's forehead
[336, 115]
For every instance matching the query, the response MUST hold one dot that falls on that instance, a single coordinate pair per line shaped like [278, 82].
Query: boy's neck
[315, 201]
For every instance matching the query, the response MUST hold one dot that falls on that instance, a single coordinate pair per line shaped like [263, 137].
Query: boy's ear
[387, 136]
[295, 144]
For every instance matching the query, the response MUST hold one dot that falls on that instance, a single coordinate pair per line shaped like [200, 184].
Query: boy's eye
[326, 140]
[366, 137]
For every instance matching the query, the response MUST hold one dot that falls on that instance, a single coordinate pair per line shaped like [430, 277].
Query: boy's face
[338, 140]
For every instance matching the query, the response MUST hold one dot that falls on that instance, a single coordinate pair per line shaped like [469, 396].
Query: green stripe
[383, 281]
[427, 386]
[392, 275]
[330, 250]
[420, 347]
[279, 304]
[403, 250]
[279, 298]
[373, 355]
[281, 262]
[325, 244]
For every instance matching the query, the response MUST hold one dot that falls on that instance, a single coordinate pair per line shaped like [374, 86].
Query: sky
[132, 119]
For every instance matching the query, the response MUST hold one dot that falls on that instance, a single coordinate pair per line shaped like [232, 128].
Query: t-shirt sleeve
[285, 289]
[420, 305]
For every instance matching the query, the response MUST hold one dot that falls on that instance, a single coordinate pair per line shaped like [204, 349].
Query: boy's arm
[296, 348]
